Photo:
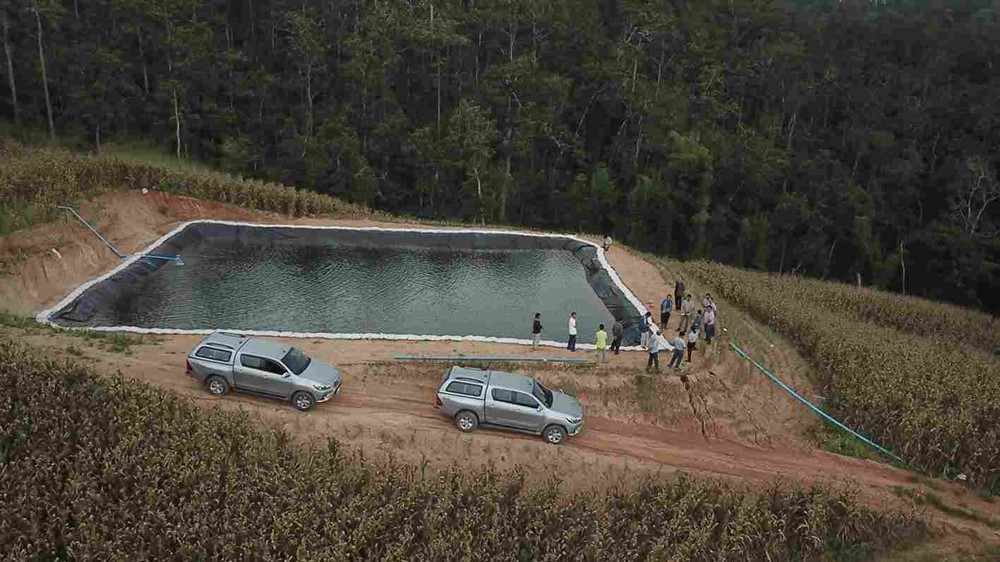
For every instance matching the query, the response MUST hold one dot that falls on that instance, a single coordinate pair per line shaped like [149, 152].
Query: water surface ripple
[363, 289]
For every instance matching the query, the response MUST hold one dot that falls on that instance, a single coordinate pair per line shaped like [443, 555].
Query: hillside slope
[918, 377]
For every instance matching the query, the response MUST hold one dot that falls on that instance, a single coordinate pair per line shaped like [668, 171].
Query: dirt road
[387, 410]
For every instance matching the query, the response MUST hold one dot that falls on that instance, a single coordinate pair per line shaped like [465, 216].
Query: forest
[851, 140]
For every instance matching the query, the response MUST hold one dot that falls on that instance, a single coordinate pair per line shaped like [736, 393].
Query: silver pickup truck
[228, 361]
[475, 397]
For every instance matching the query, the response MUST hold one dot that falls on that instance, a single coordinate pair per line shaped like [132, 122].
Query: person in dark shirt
[666, 307]
[678, 292]
[536, 331]
[696, 323]
[645, 328]
[678, 355]
[616, 336]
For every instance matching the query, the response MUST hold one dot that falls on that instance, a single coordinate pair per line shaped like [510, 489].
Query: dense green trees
[840, 139]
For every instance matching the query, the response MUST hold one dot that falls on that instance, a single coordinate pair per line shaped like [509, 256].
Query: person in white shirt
[655, 342]
[572, 332]
[692, 338]
[687, 314]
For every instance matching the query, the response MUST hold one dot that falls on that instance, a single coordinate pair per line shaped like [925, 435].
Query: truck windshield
[543, 394]
[296, 360]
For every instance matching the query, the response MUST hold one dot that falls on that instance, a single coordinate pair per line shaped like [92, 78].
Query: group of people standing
[600, 337]
[694, 323]
[692, 318]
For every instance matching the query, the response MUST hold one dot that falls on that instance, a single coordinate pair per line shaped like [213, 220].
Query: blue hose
[822, 414]
[159, 257]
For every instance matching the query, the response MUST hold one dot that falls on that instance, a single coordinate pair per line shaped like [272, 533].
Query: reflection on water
[352, 289]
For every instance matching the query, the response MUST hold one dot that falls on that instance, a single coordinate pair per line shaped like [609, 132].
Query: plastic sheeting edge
[44, 317]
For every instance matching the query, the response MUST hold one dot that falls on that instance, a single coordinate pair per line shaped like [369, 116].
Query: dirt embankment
[49, 261]
[720, 419]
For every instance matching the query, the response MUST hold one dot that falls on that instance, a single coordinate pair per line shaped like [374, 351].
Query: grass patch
[837, 441]
[933, 499]
[9, 320]
[148, 153]
[17, 216]
[923, 481]
[921, 497]
[645, 391]
[114, 342]
[122, 343]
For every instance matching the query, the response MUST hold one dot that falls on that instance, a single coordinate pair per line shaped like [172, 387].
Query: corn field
[919, 378]
[97, 468]
[34, 180]
[908, 314]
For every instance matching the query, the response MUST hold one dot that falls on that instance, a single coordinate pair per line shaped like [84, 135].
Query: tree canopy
[838, 139]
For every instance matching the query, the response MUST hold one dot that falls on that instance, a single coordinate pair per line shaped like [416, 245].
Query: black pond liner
[132, 278]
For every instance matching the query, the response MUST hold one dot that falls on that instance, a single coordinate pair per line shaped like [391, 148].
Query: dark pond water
[350, 289]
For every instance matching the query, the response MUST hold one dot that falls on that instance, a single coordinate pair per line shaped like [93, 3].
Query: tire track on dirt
[676, 449]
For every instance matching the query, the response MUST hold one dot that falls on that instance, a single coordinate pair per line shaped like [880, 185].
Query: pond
[357, 281]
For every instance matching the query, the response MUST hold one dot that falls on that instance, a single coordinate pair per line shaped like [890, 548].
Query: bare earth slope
[721, 419]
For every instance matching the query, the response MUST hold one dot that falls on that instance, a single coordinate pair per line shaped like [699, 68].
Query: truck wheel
[217, 386]
[554, 434]
[466, 421]
[303, 401]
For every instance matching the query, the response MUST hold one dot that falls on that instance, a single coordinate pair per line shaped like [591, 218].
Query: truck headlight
[322, 387]
[573, 421]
